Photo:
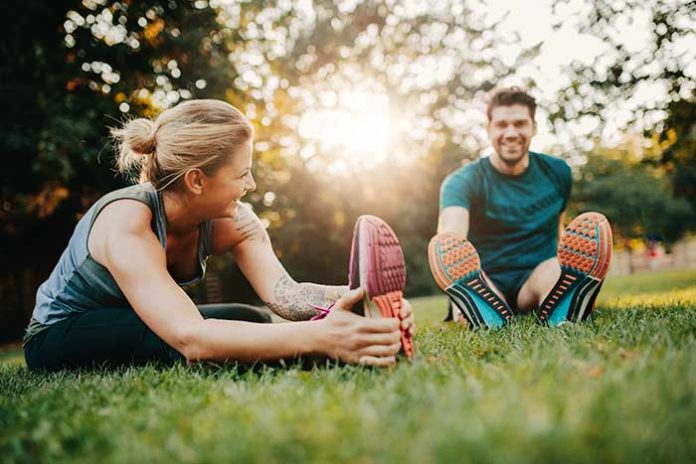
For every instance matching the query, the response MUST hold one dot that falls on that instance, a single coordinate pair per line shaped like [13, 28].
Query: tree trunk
[629, 252]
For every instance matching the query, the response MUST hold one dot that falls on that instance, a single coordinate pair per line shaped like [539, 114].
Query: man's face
[510, 130]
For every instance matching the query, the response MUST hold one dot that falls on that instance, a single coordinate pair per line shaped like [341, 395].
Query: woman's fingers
[351, 298]
[406, 316]
[380, 339]
[380, 325]
[367, 341]
[381, 350]
[386, 361]
[406, 309]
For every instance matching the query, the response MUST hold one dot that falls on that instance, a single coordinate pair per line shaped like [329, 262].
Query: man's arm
[454, 219]
[561, 227]
[246, 238]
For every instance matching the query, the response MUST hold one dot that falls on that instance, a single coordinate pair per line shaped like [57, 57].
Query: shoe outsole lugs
[456, 267]
[378, 265]
[584, 254]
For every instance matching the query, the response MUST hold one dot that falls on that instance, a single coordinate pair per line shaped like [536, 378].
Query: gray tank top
[78, 283]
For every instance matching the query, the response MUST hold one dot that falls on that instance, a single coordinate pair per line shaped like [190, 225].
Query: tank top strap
[145, 193]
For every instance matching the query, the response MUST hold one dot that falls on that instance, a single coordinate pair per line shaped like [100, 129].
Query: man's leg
[538, 285]
[584, 253]
[456, 268]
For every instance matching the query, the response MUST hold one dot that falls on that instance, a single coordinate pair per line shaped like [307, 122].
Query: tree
[617, 88]
[94, 63]
[636, 197]
[429, 61]
[64, 83]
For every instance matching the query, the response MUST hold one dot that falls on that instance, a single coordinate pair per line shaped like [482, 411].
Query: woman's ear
[194, 180]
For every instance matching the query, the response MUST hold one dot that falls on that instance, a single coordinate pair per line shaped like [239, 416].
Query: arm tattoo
[247, 225]
[292, 300]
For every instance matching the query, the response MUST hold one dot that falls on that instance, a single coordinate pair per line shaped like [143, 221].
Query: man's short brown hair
[511, 96]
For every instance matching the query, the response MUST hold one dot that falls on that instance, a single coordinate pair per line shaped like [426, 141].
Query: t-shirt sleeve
[458, 189]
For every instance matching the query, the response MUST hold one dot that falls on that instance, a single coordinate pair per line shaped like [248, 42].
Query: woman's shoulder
[126, 207]
[117, 225]
[126, 214]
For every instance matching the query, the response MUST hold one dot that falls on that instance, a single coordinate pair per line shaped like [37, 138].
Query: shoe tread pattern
[584, 254]
[454, 262]
[386, 270]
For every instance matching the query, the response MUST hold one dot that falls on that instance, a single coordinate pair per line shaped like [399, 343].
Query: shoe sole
[456, 267]
[584, 254]
[381, 271]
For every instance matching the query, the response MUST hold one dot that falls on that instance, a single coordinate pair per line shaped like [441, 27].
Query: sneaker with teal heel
[456, 267]
[584, 253]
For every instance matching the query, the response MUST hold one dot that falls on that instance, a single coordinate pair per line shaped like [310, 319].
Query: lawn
[621, 388]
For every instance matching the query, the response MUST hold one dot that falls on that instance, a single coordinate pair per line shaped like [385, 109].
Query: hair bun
[140, 136]
[201, 134]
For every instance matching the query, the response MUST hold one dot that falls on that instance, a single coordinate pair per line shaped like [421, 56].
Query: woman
[115, 295]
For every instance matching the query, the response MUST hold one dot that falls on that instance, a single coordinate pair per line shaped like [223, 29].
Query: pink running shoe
[377, 264]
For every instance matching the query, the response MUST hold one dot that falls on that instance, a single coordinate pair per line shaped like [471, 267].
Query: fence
[681, 256]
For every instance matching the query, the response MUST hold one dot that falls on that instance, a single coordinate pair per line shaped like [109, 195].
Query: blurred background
[361, 107]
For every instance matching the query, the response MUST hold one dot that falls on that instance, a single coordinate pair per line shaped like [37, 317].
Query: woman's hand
[408, 323]
[359, 340]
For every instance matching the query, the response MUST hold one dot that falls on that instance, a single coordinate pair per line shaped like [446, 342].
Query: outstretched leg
[456, 267]
[584, 253]
[539, 284]
[113, 337]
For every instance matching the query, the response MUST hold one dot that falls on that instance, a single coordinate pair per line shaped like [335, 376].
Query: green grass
[619, 389]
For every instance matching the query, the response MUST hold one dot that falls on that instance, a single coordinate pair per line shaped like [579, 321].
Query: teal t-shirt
[513, 220]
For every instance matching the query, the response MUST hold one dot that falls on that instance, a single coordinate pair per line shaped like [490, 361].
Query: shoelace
[323, 312]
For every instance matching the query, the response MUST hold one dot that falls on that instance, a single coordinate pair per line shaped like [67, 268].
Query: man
[504, 214]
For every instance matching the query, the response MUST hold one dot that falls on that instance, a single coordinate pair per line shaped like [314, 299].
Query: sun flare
[359, 130]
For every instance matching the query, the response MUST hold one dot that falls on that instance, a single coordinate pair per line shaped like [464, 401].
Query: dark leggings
[115, 337]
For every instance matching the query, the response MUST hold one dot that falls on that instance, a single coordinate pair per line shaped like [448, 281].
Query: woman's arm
[122, 241]
[246, 237]
[248, 240]
[295, 301]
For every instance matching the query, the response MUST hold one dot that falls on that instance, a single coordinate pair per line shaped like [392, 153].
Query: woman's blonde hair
[201, 134]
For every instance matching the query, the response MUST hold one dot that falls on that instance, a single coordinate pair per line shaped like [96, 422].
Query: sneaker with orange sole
[456, 267]
[584, 253]
[377, 265]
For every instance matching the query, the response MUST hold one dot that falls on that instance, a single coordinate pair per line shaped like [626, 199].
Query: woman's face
[230, 183]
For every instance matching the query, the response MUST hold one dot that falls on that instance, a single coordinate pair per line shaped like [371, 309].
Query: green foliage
[621, 75]
[680, 156]
[94, 63]
[63, 85]
[637, 200]
[618, 389]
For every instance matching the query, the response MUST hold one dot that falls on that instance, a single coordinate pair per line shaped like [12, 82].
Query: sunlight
[358, 131]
